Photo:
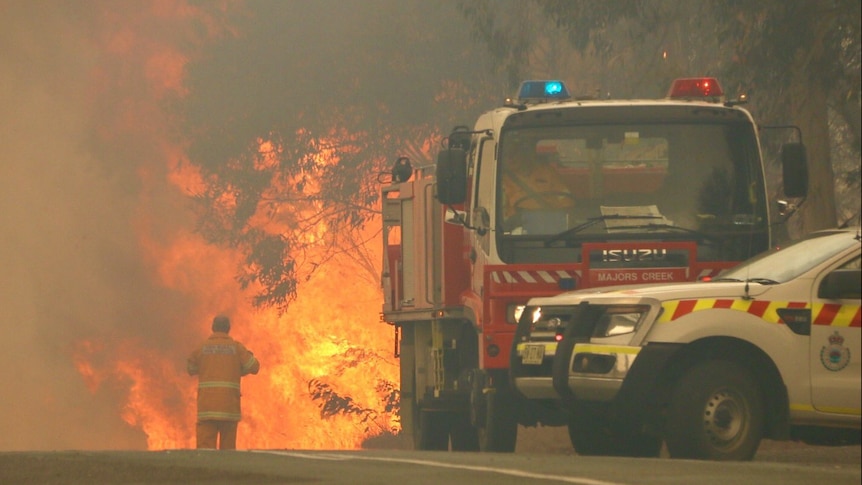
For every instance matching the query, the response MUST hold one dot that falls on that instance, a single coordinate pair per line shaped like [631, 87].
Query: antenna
[747, 295]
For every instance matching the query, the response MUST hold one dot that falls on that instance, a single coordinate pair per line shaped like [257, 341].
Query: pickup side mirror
[451, 176]
[794, 166]
[841, 284]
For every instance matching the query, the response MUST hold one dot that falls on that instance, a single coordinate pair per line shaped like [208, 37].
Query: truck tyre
[431, 431]
[500, 430]
[464, 436]
[594, 433]
[715, 413]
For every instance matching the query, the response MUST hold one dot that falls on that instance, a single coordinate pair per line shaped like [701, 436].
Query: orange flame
[327, 372]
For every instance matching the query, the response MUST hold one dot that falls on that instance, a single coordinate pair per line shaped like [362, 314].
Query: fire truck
[548, 193]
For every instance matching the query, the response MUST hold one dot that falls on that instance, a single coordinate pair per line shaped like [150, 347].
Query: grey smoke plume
[72, 268]
[83, 186]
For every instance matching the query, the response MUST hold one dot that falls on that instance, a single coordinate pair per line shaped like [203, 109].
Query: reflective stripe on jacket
[220, 362]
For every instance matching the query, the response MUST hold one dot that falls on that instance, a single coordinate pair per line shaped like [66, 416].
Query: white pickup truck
[768, 349]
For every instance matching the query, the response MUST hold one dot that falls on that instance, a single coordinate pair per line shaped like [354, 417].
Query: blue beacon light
[542, 91]
[553, 88]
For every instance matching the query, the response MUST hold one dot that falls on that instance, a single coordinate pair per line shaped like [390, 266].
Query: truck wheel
[465, 436]
[715, 413]
[594, 433]
[432, 431]
[500, 430]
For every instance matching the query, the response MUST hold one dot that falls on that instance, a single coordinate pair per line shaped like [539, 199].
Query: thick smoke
[71, 206]
[89, 91]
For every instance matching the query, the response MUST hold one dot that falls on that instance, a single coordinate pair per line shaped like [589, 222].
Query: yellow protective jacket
[220, 362]
[538, 187]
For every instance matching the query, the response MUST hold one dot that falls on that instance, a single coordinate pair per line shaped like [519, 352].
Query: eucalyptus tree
[798, 60]
[294, 121]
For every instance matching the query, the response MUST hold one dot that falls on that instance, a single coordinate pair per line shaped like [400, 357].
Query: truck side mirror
[451, 176]
[794, 166]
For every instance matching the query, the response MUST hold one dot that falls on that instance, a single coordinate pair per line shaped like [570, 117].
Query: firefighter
[220, 362]
[531, 183]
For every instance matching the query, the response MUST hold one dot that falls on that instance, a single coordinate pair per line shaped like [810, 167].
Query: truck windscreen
[675, 181]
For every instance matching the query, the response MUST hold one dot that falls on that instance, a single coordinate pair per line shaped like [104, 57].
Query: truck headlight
[620, 320]
[514, 312]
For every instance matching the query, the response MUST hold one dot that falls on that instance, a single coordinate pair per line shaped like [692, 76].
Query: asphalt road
[776, 463]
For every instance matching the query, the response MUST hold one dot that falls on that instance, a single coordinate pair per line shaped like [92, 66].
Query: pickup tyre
[716, 413]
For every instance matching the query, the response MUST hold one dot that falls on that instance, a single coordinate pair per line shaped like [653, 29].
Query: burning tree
[252, 168]
[289, 176]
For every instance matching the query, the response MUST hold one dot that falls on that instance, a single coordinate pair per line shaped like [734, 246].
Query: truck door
[836, 341]
[483, 208]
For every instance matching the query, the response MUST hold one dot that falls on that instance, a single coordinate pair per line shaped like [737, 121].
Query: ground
[191, 467]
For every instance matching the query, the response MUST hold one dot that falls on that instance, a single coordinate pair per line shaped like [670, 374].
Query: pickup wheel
[716, 412]
[594, 433]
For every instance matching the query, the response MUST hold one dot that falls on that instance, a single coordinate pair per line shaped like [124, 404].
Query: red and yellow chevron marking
[821, 313]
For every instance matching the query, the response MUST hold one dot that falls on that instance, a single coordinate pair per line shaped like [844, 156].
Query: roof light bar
[695, 87]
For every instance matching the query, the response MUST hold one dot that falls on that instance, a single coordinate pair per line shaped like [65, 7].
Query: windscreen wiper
[592, 221]
[760, 281]
[701, 235]
[763, 281]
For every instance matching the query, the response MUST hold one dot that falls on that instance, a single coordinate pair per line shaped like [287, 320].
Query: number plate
[533, 354]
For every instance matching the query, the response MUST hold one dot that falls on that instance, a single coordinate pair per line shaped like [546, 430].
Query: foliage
[291, 126]
[334, 404]
[802, 49]
[799, 61]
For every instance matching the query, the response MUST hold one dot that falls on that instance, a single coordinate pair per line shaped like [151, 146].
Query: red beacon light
[695, 87]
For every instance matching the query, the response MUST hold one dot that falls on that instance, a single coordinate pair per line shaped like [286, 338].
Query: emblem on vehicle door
[835, 356]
